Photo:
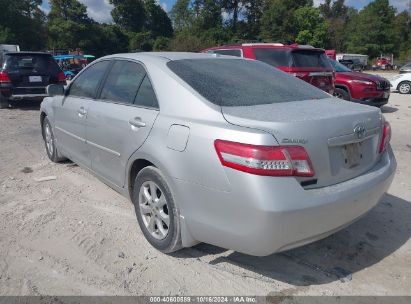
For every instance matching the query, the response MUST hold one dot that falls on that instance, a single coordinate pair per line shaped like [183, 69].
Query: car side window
[146, 96]
[87, 83]
[123, 81]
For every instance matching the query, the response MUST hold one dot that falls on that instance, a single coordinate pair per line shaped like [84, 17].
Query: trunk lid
[340, 137]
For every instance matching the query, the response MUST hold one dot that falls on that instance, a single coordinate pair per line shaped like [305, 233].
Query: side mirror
[55, 90]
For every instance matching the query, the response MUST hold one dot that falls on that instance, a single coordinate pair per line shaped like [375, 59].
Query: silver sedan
[221, 150]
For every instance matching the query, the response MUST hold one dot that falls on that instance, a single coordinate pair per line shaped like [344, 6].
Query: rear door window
[87, 83]
[232, 52]
[146, 96]
[273, 57]
[123, 81]
[308, 59]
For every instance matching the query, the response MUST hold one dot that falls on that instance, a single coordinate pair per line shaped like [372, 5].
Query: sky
[100, 10]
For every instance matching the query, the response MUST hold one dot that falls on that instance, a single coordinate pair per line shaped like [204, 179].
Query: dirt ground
[75, 236]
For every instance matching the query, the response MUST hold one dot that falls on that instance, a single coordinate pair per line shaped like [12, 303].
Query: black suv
[25, 75]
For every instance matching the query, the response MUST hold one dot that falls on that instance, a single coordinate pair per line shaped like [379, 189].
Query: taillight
[385, 137]
[62, 77]
[4, 77]
[264, 160]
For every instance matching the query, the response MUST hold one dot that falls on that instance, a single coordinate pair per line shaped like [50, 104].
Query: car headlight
[362, 82]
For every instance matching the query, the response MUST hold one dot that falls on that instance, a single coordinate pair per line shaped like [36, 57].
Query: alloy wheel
[154, 210]
[405, 88]
[49, 139]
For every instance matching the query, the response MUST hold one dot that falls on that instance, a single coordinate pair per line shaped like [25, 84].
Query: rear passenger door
[120, 119]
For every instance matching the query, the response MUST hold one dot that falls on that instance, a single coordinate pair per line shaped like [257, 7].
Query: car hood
[359, 76]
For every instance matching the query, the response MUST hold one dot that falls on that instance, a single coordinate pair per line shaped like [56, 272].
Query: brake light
[4, 77]
[264, 160]
[62, 77]
[385, 137]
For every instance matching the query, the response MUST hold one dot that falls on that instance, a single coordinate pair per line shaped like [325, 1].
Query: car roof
[169, 56]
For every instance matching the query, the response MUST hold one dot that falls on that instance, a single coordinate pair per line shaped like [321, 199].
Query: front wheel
[50, 142]
[404, 87]
[157, 214]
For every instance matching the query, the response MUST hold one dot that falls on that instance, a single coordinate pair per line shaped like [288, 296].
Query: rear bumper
[264, 215]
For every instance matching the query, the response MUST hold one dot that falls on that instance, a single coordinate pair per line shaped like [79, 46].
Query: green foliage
[372, 30]
[23, 23]
[193, 25]
[129, 14]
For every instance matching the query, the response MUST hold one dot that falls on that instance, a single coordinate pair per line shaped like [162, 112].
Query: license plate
[35, 79]
[386, 94]
[352, 155]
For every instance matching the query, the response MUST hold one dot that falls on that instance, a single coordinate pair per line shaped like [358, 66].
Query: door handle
[136, 122]
[82, 112]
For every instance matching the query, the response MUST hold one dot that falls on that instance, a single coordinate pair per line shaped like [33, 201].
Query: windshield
[39, 62]
[338, 67]
[238, 82]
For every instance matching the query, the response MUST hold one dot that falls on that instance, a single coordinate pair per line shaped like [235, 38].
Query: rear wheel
[405, 87]
[50, 142]
[4, 103]
[342, 94]
[156, 211]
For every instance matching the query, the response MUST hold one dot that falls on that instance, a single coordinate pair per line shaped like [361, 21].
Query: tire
[160, 211]
[50, 142]
[404, 87]
[342, 94]
[4, 103]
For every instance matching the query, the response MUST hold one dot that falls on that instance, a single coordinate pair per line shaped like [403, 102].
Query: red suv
[305, 62]
[360, 87]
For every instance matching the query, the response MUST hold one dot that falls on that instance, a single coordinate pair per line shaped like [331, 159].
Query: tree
[22, 22]
[402, 28]
[157, 20]
[310, 27]
[129, 14]
[69, 25]
[337, 15]
[182, 15]
[277, 23]
[371, 31]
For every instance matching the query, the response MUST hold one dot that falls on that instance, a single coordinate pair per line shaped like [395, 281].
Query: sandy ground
[75, 236]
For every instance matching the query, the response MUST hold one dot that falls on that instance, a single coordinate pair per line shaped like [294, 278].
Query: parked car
[383, 63]
[359, 58]
[221, 150]
[405, 68]
[305, 62]
[352, 64]
[362, 88]
[401, 83]
[25, 75]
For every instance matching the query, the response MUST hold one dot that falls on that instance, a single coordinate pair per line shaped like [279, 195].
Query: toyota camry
[220, 149]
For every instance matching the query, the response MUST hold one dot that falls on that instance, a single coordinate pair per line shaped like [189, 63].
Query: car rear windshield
[287, 58]
[238, 82]
[39, 62]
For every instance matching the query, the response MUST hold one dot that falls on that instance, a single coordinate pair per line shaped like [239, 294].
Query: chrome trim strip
[104, 148]
[71, 134]
[326, 74]
[352, 138]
